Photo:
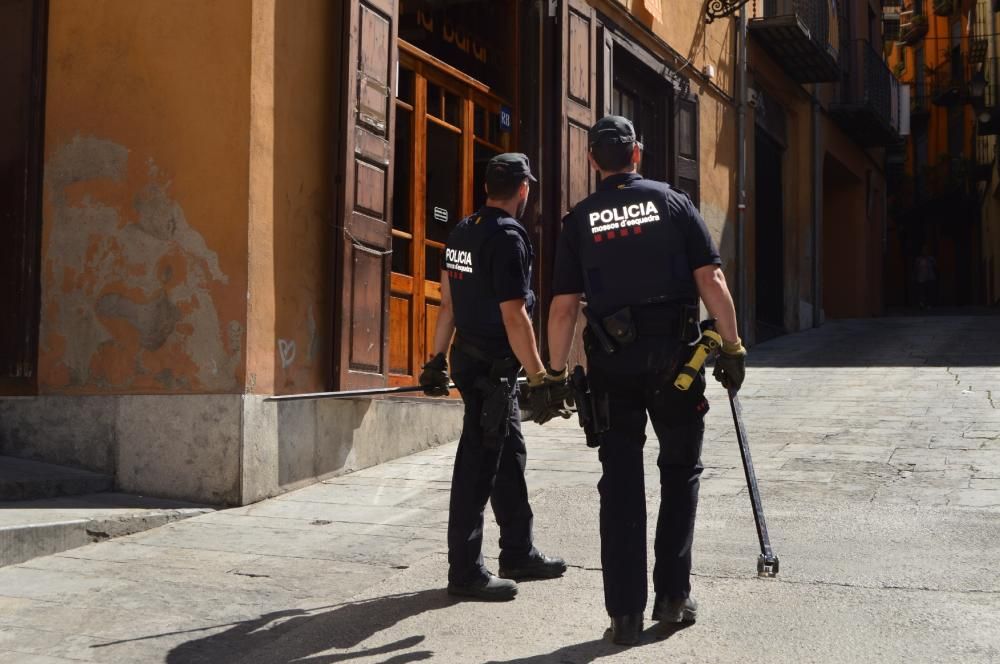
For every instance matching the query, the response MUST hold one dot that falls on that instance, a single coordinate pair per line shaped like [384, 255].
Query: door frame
[428, 68]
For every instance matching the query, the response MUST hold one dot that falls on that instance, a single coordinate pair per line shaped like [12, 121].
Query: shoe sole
[521, 575]
[687, 617]
[486, 597]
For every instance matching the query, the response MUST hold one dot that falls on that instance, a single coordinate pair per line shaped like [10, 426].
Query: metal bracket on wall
[721, 8]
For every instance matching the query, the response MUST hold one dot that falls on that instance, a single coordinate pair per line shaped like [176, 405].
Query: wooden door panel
[400, 343]
[578, 99]
[362, 327]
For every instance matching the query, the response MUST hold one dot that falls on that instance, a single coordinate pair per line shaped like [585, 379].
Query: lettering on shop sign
[450, 33]
[622, 221]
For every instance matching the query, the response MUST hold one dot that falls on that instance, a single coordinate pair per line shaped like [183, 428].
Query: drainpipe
[817, 212]
[741, 170]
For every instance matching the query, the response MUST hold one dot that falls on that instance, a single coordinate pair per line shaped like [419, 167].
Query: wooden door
[365, 194]
[579, 99]
[447, 128]
[580, 103]
[22, 76]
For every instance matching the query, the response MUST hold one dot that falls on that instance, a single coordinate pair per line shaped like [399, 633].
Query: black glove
[434, 378]
[731, 365]
[548, 392]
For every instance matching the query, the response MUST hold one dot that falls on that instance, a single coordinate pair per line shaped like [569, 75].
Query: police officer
[640, 253]
[486, 302]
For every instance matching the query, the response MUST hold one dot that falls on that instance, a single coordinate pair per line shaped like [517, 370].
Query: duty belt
[463, 345]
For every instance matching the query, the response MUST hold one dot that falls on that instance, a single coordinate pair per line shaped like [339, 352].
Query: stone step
[21, 479]
[33, 528]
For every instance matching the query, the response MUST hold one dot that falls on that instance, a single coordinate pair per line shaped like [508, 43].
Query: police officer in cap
[486, 303]
[640, 254]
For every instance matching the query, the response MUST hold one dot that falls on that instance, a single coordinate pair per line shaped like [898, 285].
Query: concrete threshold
[30, 529]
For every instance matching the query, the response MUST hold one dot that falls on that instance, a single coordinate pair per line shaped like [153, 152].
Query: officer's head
[613, 145]
[507, 181]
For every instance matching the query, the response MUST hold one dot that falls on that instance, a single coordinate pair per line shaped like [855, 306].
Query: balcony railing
[948, 83]
[801, 35]
[866, 103]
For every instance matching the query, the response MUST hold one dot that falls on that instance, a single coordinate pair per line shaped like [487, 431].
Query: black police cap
[611, 129]
[508, 167]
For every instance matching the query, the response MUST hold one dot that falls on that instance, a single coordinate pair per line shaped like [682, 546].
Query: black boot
[492, 589]
[536, 567]
[626, 630]
[676, 610]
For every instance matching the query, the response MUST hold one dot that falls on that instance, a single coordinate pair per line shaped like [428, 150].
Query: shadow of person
[590, 651]
[300, 636]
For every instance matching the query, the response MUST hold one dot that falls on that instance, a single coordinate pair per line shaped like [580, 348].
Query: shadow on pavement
[944, 341]
[299, 636]
[590, 651]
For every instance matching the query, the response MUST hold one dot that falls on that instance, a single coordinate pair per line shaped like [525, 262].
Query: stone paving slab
[881, 505]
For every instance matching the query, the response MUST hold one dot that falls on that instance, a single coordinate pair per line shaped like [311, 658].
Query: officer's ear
[524, 189]
[636, 153]
[593, 162]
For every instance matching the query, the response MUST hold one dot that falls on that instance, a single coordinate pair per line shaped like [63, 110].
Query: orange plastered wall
[144, 249]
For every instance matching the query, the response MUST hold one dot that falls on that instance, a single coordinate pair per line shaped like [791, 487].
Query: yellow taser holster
[708, 344]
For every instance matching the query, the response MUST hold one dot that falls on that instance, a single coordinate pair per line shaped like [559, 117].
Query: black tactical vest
[632, 249]
[477, 310]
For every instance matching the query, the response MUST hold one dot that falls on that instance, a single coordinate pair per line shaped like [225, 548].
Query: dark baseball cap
[508, 167]
[611, 129]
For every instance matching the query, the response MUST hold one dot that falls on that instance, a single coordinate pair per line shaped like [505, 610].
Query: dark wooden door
[362, 216]
[579, 99]
[581, 102]
[22, 75]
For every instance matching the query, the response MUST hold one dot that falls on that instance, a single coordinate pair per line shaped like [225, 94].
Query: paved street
[877, 444]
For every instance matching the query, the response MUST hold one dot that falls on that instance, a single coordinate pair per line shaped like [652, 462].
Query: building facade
[219, 202]
[944, 56]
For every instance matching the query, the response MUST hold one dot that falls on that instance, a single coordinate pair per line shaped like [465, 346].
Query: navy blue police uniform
[631, 248]
[488, 260]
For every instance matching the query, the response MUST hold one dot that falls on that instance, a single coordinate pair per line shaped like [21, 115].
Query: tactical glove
[731, 365]
[434, 378]
[548, 392]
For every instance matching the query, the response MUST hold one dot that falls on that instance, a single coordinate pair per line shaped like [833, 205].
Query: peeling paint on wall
[127, 288]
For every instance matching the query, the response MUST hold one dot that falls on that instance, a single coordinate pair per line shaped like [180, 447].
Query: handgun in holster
[593, 410]
[497, 404]
[705, 346]
[596, 327]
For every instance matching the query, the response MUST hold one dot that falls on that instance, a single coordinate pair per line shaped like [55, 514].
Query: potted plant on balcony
[914, 30]
[944, 7]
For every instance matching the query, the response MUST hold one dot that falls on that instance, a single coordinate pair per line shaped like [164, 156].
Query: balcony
[948, 84]
[866, 103]
[799, 34]
[913, 27]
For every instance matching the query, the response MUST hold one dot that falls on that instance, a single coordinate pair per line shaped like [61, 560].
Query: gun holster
[593, 410]
[498, 401]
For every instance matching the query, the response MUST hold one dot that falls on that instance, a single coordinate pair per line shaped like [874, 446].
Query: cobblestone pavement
[877, 444]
